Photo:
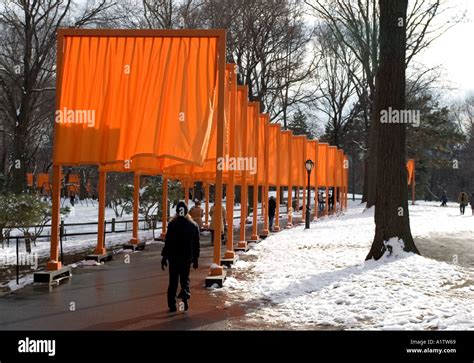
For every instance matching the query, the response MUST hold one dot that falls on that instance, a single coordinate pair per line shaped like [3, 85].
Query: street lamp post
[309, 166]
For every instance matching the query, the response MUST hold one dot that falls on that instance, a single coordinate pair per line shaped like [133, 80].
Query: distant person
[463, 200]
[444, 199]
[271, 211]
[197, 213]
[72, 199]
[182, 248]
[320, 201]
[331, 201]
[212, 224]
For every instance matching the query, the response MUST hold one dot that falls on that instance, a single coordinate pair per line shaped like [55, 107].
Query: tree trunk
[391, 202]
[18, 176]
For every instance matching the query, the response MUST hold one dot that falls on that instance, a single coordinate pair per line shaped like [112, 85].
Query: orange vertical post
[254, 236]
[316, 166]
[243, 185]
[206, 210]
[265, 188]
[54, 263]
[136, 201]
[290, 184]
[276, 225]
[100, 248]
[164, 214]
[229, 253]
[297, 199]
[216, 269]
[303, 213]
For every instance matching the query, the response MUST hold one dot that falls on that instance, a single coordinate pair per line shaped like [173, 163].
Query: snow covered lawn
[318, 279]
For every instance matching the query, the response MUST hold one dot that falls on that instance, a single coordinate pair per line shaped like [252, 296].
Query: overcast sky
[455, 52]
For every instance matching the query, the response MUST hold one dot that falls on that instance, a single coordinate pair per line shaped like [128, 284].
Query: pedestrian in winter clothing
[331, 201]
[271, 211]
[463, 200]
[444, 199]
[181, 249]
[212, 224]
[320, 202]
[196, 213]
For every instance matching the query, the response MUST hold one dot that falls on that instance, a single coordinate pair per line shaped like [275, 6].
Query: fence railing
[113, 228]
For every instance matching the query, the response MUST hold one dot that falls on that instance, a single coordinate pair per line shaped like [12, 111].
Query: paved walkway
[121, 296]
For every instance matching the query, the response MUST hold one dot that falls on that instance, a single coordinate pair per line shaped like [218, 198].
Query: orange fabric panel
[285, 145]
[273, 154]
[331, 158]
[74, 183]
[143, 91]
[346, 171]
[29, 179]
[261, 166]
[322, 163]
[207, 171]
[339, 168]
[299, 159]
[410, 169]
[43, 181]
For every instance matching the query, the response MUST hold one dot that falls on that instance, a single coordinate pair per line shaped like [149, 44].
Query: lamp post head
[309, 165]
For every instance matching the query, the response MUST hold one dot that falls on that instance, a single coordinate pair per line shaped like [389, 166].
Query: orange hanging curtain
[73, 183]
[321, 166]
[297, 164]
[43, 182]
[285, 163]
[273, 154]
[261, 167]
[134, 92]
[410, 169]
[331, 158]
[29, 179]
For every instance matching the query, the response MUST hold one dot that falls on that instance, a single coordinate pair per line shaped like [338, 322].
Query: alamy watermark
[67, 116]
[230, 163]
[392, 116]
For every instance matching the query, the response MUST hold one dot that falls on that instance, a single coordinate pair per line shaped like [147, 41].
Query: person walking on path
[463, 200]
[212, 225]
[271, 211]
[196, 213]
[444, 199]
[182, 248]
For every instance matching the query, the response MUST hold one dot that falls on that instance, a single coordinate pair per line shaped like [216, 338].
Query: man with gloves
[181, 249]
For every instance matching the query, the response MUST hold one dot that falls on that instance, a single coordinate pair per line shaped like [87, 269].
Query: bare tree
[27, 60]
[356, 22]
[269, 42]
[392, 221]
[337, 88]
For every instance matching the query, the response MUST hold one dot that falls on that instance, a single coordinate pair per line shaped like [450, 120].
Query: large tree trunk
[391, 205]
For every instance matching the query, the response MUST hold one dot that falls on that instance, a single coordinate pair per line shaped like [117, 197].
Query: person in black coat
[271, 210]
[182, 248]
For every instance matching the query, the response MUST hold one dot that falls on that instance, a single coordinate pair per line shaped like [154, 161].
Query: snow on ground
[317, 278]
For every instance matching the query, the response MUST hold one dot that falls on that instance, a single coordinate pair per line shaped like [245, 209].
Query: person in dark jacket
[182, 248]
[463, 200]
[444, 199]
[271, 211]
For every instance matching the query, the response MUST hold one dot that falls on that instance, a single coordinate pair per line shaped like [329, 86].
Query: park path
[122, 296]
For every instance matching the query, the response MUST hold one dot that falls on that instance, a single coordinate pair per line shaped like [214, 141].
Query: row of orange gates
[42, 183]
[164, 102]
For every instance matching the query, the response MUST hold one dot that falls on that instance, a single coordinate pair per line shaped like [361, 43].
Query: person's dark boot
[172, 309]
[186, 305]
